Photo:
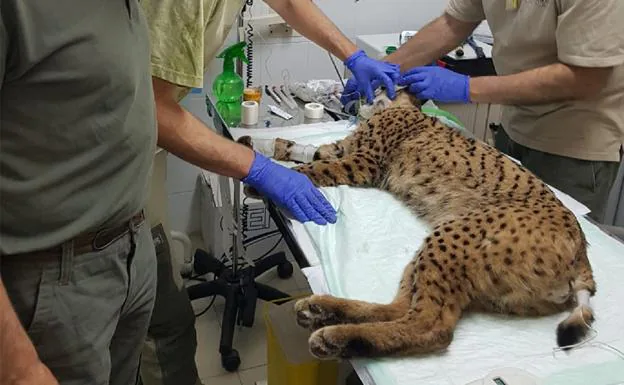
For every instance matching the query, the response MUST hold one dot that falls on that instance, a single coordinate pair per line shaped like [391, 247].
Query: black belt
[89, 242]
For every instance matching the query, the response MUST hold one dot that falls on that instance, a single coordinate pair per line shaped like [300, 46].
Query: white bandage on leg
[582, 298]
[264, 146]
[301, 153]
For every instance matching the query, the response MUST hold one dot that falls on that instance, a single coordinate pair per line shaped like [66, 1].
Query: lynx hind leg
[433, 311]
[317, 311]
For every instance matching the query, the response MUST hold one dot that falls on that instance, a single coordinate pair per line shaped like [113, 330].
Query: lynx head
[382, 101]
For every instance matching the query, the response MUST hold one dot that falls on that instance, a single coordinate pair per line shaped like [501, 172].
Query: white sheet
[377, 239]
[362, 257]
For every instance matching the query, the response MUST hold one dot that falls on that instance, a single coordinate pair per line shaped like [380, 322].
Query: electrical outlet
[269, 19]
[282, 30]
[270, 26]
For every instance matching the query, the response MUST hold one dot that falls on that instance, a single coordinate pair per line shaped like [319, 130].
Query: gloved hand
[366, 70]
[438, 84]
[351, 92]
[290, 190]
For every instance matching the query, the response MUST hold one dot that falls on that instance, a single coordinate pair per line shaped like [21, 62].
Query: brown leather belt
[89, 242]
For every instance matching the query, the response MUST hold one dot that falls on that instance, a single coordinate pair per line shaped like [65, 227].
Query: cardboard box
[288, 356]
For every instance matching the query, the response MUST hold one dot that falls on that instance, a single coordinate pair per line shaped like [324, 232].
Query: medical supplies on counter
[250, 112]
[324, 91]
[252, 94]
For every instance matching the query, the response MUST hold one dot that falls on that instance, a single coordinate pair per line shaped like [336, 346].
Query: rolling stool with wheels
[240, 290]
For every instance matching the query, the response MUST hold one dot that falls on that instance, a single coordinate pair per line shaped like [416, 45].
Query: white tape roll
[313, 110]
[249, 112]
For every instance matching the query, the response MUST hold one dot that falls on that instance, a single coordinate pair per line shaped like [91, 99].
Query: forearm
[19, 363]
[307, 19]
[185, 136]
[548, 84]
[432, 42]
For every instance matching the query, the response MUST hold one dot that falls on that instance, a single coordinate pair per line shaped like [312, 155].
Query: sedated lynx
[500, 239]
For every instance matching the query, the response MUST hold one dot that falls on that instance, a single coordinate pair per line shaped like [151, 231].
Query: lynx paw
[313, 315]
[245, 141]
[328, 343]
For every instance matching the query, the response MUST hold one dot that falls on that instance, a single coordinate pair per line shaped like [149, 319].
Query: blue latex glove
[438, 84]
[290, 190]
[351, 91]
[366, 70]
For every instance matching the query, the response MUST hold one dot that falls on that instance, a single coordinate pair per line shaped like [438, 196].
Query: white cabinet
[495, 116]
[476, 117]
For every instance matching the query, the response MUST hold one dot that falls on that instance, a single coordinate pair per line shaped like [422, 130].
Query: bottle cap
[390, 49]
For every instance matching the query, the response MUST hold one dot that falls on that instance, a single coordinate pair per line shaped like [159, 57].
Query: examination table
[362, 257]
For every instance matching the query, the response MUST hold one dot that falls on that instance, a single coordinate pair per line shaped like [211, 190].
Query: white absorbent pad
[363, 256]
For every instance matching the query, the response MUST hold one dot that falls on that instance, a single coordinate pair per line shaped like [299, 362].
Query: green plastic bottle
[228, 87]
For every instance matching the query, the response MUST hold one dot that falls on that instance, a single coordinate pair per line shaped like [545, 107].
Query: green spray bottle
[228, 87]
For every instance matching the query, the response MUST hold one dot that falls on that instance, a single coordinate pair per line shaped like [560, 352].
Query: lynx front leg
[317, 311]
[280, 149]
[291, 151]
[338, 150]
[358, 169]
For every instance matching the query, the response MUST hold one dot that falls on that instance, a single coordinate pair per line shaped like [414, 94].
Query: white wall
[183, 200]
[303, 60]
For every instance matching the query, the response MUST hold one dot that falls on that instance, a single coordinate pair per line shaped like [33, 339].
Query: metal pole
[241, 24]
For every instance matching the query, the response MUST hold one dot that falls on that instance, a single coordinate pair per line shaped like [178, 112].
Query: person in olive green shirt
[78, 129]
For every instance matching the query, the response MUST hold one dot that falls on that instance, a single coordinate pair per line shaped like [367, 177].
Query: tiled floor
[250, 342]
